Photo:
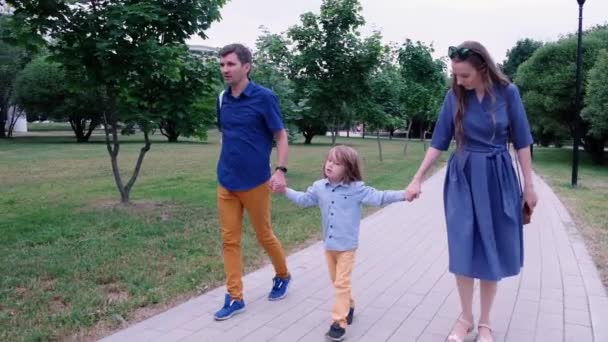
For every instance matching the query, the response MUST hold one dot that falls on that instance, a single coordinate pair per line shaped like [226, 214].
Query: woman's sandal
[454, 337]
[483, 339]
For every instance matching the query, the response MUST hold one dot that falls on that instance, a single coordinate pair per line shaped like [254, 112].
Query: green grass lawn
[587, 203]
[73, 261]
[48, 127]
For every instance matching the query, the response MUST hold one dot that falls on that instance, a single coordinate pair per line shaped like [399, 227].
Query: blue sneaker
[279, 288]
[231, 308]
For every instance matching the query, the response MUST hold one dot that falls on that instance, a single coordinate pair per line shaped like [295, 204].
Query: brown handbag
[527, 213]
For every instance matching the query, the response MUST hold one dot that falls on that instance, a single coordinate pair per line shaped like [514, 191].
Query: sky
[497, 24]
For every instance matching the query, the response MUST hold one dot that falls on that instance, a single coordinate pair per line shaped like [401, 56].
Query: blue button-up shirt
[341, 208]
[248, 124]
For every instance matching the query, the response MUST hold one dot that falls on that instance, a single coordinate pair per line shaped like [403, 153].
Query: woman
[482, 197]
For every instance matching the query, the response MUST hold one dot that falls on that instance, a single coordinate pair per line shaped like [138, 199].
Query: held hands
[413, 190]
[278, 183]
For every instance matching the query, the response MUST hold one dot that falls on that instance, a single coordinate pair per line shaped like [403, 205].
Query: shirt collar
[248, 90]
[341, 184]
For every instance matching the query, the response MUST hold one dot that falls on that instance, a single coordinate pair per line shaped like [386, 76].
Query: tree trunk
[3, 124]
[11, 125]
[407, 137]
[426, 132]
[334, 134]
[92, 125]
[307, 137]
[363, 131]
[78, 127]
[113, 149]
[169, 130]
[595, 148]
[532, 151]
[4, 107]
[379, 145]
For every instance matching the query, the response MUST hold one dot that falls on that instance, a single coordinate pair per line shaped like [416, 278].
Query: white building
[203, 50]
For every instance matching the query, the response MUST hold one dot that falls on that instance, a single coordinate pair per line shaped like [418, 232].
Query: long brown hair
[349, 158]
[481, 60]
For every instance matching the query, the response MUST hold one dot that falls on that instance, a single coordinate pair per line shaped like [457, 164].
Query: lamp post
[578, 94]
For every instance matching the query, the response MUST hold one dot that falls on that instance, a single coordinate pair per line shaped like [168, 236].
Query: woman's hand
[530, 196]
[413, 190]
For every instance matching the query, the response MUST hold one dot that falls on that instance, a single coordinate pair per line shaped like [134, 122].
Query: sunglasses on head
[460, 53]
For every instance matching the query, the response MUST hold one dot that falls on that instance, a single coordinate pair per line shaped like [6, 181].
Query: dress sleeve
[444, 128]
[518, 120]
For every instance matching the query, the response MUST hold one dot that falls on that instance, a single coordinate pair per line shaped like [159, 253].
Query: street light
[577, 102]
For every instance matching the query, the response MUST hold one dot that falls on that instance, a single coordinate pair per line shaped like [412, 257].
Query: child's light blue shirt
[341, 208]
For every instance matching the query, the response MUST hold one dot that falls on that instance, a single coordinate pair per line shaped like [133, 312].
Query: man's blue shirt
[248, 124]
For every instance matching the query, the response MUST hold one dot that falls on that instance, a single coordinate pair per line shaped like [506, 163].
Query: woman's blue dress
[482, 198]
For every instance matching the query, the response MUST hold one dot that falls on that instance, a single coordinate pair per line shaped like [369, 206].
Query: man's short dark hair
[242, 53]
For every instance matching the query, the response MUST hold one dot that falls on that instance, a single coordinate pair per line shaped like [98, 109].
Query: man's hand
[278, 182]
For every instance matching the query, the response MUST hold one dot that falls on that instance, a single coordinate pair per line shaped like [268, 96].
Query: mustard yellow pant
[231, 206]
[340, 265]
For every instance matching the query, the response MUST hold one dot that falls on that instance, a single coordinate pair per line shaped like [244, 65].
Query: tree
[521, 52]
[424, 85]
[382, 108]
[547, 80]
[12, 61]
[272, 60]
[596, 99]
[188, 115]
[128, 48]
[331, 62]
[43, 89]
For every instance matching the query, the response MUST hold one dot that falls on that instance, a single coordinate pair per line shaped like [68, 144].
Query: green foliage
[424, 82]
[12, 61]
[135, 51]
[521, 52]
[547, 80]
[384, 109]
[332, 63]
[178, 96]
[123, 45]
[271, 69]
[44, 89]
[596, 99]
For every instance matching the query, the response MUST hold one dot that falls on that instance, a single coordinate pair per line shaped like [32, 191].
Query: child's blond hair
[349, 158]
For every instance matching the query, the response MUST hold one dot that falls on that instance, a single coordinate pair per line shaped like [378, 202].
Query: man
[249, 119]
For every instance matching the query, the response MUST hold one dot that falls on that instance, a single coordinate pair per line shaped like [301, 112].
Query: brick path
[403, 290]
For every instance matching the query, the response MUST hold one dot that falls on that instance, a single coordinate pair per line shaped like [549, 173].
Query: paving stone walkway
[403, 289]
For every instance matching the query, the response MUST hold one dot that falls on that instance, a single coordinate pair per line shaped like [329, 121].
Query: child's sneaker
[349, 318]
[231, 308]
[279, 288]
[336, 332]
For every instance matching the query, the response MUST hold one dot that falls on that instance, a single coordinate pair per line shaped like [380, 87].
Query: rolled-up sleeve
[521, 136]
[444, 127]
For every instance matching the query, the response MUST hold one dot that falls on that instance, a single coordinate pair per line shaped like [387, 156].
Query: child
[340, 196]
